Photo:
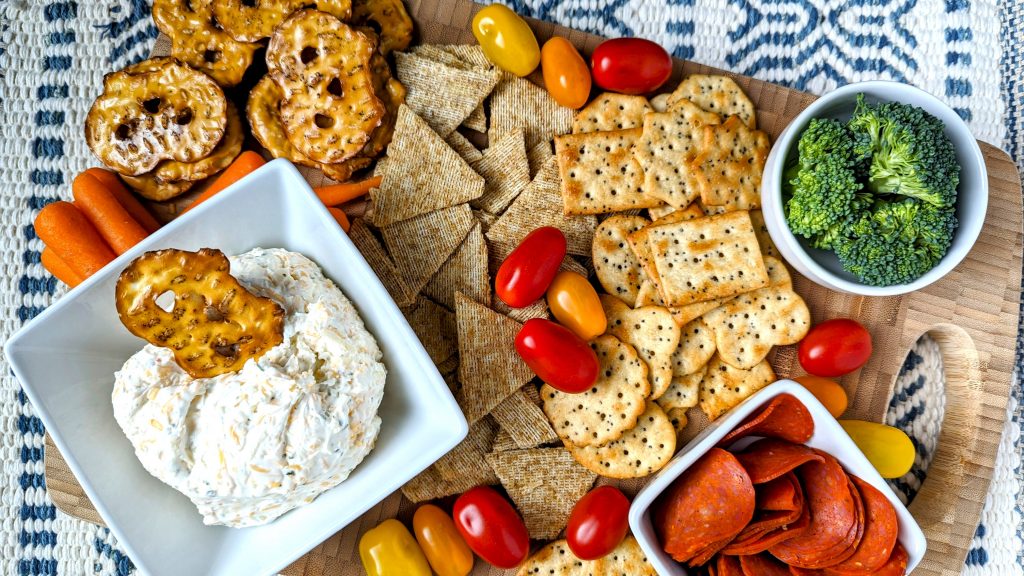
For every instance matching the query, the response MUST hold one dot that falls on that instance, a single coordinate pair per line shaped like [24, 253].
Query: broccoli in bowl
[879, 190]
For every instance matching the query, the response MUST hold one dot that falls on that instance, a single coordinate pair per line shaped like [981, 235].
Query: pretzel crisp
[329, 108]
[215, 324]
[197, 40]
[150, 186]
[392, 94]
[387, 16]
[265, 123]
[161, 111]
[253, 20]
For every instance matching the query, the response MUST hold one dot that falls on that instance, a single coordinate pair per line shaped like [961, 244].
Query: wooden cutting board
[972, 313]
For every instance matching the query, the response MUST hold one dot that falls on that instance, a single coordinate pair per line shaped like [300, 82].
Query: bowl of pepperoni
[776, 487]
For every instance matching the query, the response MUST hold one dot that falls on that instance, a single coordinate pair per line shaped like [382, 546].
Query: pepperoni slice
[779, 503]
[784, 417]
[764, 541]
[762, 565]
[897, 564]
[729, 566]
[709, 503]
[881, 529]
[769, 458]
[708, 552]
[835, 509]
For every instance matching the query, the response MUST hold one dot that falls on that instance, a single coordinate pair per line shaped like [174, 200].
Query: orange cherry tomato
[575, 304]
[566, 74]
[828, 392]
[447, 552]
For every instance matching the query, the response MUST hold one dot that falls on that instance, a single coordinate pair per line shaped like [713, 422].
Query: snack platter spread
[972, 313]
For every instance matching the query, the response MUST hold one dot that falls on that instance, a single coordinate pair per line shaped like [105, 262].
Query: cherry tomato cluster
[558, 354]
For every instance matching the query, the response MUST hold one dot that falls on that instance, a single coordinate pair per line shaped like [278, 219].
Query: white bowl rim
[950, 261]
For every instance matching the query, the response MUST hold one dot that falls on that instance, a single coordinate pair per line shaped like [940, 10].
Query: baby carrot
[59, 268]
[127, 200]
[340, 193]
[245, 163]
[114, 223]
[340, 217]
[66, 231]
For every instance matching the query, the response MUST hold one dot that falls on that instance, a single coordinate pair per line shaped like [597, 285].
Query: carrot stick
[114, 223]
[340, 217]
[245, 163]
[124, 197]
[340, 193]
[70, 235]
[59, 268]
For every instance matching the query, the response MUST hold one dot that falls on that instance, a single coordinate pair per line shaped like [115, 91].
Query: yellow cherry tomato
[390, 550]
[575, 304]
[506, 39]
[447, 552]
[889, 449]
[828, 392]
[566, 74]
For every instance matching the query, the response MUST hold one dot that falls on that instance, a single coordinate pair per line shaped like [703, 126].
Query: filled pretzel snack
[213, 326]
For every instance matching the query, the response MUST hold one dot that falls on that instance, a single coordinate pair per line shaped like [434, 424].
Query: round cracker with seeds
[611, 406]
[649, 329]
[640, 452]
[617, 267]
[696, 347]
[684, 391]
[749, 325]
[611, 111]
[718, 94]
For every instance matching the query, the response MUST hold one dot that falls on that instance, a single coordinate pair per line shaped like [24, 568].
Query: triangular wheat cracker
[463, 147]
[538, 156]
[464, 90]
[423, 174]
[489, 367]
[465, 271]
[422, 244]
[506, 172]
[545, 484]
[519, 103]
[540, 204]
[459, 470]
[524, 421]
[382, 264]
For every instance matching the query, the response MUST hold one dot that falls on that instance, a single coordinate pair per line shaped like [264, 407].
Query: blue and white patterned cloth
[53, 54]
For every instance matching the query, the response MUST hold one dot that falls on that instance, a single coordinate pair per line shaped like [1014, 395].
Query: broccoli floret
[825, 192]
[910, 153]
[896, 242]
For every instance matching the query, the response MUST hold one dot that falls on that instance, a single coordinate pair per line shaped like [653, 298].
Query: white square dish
[66, 358]
[828, 436]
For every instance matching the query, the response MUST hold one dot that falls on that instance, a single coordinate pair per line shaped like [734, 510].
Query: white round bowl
[822, 266]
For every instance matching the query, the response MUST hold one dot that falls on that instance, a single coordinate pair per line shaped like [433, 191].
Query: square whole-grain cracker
[611, 406]
[670, 140]
[519, 103]
[764, 240]
[706, 258]
[724, 386]
[696, 347]
[477, 119]
[465, 271]
[538, 156]
[599, 174]
[747, 326]
[423, 174]
[718, 94]
[652, 331]
[459, 470]
[506, 172]
[611, 111]
[489, 367]
[524, 420]
[465, 89]
[615, 264]
[544, 483]
[540, 204]
[420, 245]
[642, 248]
[729, 166]
[435, 327]
[641, 451]
[382, 264]
[503, 442]
[684, 392]
[463, 147]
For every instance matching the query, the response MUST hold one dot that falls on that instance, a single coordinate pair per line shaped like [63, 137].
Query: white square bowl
[66, 358]
[828, 436]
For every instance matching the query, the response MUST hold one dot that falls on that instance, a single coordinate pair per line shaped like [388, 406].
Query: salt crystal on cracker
[599, 174]
[464, 90]
[465, 271]
[545, 484]
[489, 367]
[540, 204]
[506, 172]
[422, 244]
[422, 174]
